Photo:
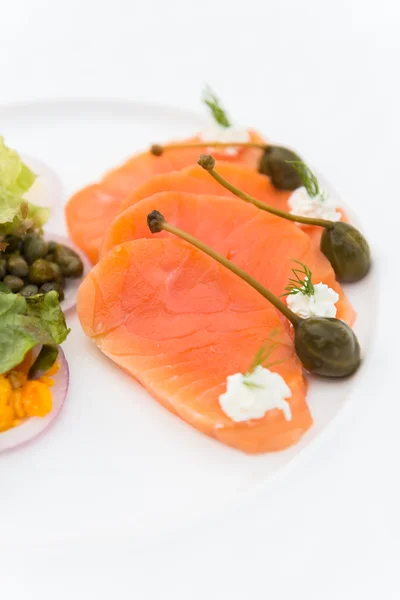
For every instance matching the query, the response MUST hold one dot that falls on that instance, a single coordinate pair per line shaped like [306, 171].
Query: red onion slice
[71, 285]
[33, 427]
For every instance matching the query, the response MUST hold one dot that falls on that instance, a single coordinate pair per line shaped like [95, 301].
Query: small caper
[72, 268]
[41, 271]
[18, 266]
[53, 285]
[347, 250]
[58, 276]
[51, 246]
[327, 347]
[14, 243]
[14, 283]
[3, 268]
[274, 163]
[34, 247]
[29, 290]
[68, 260]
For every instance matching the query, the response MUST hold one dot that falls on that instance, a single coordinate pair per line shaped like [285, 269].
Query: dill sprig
[218, 113]
[259, 359]
[301, 282]
[309, 180]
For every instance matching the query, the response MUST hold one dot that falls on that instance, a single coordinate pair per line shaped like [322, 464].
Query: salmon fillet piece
[90, 210]
[195, 179]
[258, 242]
[180, 323]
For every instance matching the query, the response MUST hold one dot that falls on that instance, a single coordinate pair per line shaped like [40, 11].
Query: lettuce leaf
[17, 215]
[27, 322]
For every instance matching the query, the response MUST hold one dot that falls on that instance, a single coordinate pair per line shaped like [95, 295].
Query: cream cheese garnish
[322, 206]
[320, 304]
[252, 395]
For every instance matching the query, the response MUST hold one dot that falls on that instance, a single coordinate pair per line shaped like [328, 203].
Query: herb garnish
[301, 282]
[259, 359]
[213, 103]
[309, 180]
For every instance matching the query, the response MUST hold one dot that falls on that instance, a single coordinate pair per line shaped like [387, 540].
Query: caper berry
[58, 276]
[3, 268]
[347, 250]
[34, 247]
[274, 163]
[327, 347]
[18, 266]
[72, 268]
[50, 286]
[69, 261]
[29, 290]
[41, 271]
[14, 283]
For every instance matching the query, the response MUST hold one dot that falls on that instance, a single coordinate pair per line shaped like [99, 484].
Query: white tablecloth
[319, 75]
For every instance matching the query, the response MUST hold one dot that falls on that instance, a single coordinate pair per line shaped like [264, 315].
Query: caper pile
[31, 266]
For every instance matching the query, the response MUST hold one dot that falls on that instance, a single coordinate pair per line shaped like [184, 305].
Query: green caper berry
[34, 247]
[347, 250]
[18, 266]
[274, 163]
[53, 285]
[327, 347]
[72, 268]
[41, 271]
[14, 283]
[29, 290]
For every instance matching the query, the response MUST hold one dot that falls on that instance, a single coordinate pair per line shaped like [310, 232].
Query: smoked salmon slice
[260, 243]
[196, 180]
[90, 211]
[180, 323]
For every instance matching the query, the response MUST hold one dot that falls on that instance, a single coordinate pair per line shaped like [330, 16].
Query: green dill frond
[308, 178]
[263, 353]
[301, 282]
[218, 113]
[251, 385]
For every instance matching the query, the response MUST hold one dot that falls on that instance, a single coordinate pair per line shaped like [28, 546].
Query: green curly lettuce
[26, 323]
[16, 214]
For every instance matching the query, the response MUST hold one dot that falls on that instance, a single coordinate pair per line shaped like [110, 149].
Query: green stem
[293, 318]
[158, 149]
[266, 207]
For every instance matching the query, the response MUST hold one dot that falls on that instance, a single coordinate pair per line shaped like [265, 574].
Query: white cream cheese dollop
[251, 396]
[217, 133]
[320, 207]
[320, 304]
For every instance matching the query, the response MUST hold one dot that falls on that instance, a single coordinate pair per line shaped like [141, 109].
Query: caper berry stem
[208, 162]
[158, 149]
[157, 223]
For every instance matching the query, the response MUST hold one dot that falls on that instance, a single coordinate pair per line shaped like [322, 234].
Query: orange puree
[21, 398]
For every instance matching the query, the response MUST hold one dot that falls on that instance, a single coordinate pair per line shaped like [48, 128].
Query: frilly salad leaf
[26, 323]
[16, 214]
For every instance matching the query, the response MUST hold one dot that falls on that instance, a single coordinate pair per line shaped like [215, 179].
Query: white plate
[116, 464]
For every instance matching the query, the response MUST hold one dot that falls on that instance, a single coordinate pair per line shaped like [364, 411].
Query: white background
[321, 76]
